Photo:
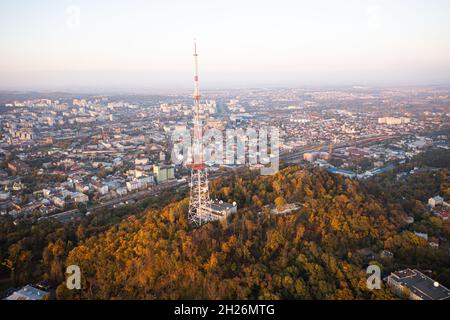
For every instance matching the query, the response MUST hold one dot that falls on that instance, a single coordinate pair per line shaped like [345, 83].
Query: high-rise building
[163, 173]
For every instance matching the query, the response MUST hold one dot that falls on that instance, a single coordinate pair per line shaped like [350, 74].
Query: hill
[312, 253]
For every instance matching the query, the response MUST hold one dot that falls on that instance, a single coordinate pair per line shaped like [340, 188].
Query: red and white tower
[200, 203]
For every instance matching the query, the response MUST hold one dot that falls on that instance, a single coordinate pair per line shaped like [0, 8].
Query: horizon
[181, 91]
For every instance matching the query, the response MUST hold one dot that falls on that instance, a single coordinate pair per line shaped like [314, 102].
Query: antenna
[200, 203]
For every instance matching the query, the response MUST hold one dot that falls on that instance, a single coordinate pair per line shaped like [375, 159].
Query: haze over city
[143, 45]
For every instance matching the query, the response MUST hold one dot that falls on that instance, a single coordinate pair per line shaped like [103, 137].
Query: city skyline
[144, 46]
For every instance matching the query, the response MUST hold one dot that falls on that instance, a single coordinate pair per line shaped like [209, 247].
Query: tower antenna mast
[200, 202]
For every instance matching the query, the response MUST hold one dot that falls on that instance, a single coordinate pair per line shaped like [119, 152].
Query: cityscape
[346, 198]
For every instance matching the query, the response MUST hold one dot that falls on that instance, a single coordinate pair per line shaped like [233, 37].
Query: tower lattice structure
[200, 202]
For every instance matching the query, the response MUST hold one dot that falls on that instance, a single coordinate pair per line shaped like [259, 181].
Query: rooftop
[28, 293]
[219, 206]
[421, 285]
[336, 170]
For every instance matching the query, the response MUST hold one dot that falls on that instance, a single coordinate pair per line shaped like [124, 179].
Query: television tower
[200, 203]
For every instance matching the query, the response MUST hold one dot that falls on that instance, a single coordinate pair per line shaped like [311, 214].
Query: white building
[415, 285]
[28, 293]
[122, 191]
[79, 197]
[142, 161]
[117, 162]
[145, 181]
[133, 185]
[103, 190]
[46, 193]
[58, 202]
[393, 121]
[4, 196]
[223, 209]
[435, 201]
[421, 235]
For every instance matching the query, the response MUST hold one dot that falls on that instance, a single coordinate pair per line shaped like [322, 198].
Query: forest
[149, 251]
[313, 253]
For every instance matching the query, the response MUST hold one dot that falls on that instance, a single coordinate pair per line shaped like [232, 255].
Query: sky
[144, 45]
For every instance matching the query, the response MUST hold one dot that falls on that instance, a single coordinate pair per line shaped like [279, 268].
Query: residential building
[28, 293]
[79, 197]
[223, 209]
[133, 185]
[58, 202]
[435, 201]
[164, 172]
